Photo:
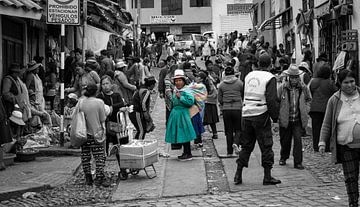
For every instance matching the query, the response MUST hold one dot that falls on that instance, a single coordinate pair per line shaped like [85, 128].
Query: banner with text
[161, 19]
[63, 12]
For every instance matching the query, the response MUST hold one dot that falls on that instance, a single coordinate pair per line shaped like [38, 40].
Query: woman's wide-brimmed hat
[120, 65]
[293, 70]
[33, 65]
[179, 74]
[16, 117]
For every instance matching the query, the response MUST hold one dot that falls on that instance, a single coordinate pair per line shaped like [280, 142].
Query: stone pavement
[315, 196]
[207, 180]
[171, 176]
[43, 173]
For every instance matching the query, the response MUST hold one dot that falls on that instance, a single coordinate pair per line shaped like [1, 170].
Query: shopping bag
[78, 132]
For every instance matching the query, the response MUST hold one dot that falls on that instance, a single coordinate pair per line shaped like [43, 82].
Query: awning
[322, 10]
[303, 20]
[108, 17]
[21, 8]
[276, 21]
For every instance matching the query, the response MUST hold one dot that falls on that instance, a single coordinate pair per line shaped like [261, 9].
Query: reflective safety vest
[254, 95]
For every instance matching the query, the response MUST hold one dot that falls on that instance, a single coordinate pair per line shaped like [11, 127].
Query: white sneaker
[236, 149]
[112, 149]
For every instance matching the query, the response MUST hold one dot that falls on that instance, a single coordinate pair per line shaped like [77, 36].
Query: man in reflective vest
[260, 104]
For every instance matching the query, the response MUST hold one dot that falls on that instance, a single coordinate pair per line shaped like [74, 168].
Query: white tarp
[96, 39]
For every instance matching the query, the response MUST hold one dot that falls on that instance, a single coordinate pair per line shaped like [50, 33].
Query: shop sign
[63, 12]
[162, 19]
[322, 10]
[238, 8]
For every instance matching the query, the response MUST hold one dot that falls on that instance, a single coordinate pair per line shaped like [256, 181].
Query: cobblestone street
[327, 190]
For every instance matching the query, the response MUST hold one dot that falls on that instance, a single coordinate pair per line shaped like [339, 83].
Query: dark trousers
[317, 119]
[213, 128]
[186, 148]
[350, 162]
[256, 129]
[139, 123]
[97, 150]
[293, 130]
[232, 122]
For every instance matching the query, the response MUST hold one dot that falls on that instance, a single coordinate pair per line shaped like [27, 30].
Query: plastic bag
[78, 133]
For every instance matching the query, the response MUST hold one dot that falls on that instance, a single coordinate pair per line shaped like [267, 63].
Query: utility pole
[138, 27]
[84, 43]
[62, 85]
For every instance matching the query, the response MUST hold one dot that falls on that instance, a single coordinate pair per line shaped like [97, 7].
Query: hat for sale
[293, 70]
[33, 65]
[16, 117]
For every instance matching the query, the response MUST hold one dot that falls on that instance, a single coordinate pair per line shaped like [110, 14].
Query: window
[199, 3]
[171, 7]
[144, 3]
[263, 11]
[13, 43]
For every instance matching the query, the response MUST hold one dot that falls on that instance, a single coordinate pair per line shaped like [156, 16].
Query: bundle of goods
[138, 154]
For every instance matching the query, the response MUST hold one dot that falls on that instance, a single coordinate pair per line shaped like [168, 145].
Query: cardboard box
[138, 154]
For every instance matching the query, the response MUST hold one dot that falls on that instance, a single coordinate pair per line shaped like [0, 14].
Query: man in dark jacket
[260, 104]
[230, 99]
[106, 64]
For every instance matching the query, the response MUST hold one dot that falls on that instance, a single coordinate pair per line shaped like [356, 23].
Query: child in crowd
[72, 100]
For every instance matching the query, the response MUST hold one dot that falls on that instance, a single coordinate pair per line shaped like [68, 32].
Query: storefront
[336, 32]
[15, 21]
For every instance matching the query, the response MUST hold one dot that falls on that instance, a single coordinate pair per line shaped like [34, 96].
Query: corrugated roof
[24, 4]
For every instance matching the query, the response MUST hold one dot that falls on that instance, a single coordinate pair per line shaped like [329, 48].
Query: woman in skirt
[211, 116]
[197, 118]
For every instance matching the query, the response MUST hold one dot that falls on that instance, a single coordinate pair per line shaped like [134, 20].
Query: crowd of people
[100, 87]
[255, 86]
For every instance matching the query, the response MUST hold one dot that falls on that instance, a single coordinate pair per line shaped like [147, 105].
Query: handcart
[135, 155]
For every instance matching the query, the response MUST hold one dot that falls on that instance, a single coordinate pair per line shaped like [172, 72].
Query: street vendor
[39, 116]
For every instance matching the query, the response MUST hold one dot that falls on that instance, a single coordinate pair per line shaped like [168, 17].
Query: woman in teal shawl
[179, 129]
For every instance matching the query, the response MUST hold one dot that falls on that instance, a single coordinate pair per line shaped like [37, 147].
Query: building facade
[323, 26]
[173, 16]
[231, 15]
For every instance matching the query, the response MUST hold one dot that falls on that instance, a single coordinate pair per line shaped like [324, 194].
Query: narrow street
[207, 180]
[80, 78]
